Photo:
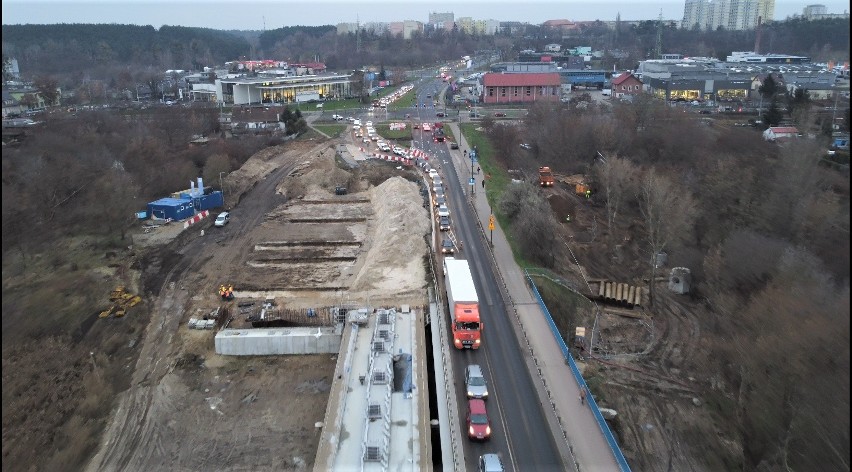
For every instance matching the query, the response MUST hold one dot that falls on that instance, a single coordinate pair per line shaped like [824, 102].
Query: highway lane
[519, 429]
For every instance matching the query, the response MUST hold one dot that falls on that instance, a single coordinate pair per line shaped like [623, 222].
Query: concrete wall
[269, 341]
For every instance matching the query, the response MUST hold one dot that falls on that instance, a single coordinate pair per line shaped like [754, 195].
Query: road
[521, 432]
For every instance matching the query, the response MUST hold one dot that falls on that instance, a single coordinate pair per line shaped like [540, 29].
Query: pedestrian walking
[582, 395]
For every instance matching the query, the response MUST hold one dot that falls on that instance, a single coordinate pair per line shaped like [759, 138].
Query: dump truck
[463, 304]
[545, 177]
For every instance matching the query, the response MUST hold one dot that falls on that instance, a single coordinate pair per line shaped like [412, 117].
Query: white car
[398, 150]
[222, 219]
[443, 210]
[369, 124]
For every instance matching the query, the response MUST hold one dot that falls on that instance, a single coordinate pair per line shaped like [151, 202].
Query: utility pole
[659, 46]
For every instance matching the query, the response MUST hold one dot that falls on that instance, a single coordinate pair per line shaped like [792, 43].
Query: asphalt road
[519, 429]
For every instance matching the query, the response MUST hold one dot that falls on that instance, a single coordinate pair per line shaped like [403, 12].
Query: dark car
[447, 247]
[454, 145]
[440, 114]
[444, 223]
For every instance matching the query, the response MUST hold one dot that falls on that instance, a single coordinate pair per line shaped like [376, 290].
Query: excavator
[226, 292]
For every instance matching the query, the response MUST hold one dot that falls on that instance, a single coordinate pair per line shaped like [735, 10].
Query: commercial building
[271, 88]
[521, 87]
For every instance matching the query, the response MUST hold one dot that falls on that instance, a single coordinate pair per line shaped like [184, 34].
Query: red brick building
[626, 84]
[518, 88]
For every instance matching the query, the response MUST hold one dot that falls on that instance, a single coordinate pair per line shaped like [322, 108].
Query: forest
[764, 230]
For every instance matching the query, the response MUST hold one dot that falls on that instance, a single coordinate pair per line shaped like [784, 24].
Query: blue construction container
[211, 200]
[171, 208]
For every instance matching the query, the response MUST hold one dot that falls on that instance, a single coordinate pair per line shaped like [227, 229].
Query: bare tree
[617, 177]
[668, 212]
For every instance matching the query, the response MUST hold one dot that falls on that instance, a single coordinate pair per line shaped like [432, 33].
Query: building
[819, 12]
[755, 58]
[626, 85]
[281, 87]
[727, 14]
[436, 18]
[521, 87]
[776, 133]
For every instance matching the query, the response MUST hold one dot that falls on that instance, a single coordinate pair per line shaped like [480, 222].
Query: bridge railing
[578, 377]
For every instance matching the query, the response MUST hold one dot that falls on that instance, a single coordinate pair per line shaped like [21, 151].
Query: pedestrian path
[588, 446]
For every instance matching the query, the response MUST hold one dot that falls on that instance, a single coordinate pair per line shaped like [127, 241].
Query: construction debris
[122, 301]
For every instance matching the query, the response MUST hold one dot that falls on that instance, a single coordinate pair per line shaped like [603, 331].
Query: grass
[498, 179]
[331, 130]
[405, 101]
[393, 135]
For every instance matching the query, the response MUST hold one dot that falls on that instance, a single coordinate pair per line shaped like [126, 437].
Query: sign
[472, 181]
[491, 223]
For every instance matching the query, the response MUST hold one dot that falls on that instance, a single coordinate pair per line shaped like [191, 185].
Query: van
[222, 219]
[606, 92]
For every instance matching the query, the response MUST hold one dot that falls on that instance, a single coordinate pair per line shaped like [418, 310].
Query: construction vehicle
[463, 304]
[122, 301]
[545, 177]
[226, 292]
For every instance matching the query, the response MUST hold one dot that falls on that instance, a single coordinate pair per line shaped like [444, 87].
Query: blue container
[171, 208]
[211, 200]
[141, 215]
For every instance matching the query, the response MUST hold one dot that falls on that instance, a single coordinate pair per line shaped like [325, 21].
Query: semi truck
[545, 177]
[463, 303]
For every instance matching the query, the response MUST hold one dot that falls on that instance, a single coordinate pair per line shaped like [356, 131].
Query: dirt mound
[390, 272]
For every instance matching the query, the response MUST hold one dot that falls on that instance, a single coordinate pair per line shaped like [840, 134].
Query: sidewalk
[590, 449]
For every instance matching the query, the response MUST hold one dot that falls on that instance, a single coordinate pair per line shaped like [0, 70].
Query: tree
[616, 177]
[668, 212]
[48, 88]
[773, 115]
[769, 88]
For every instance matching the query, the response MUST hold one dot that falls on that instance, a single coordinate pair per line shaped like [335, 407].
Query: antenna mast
[659, 46]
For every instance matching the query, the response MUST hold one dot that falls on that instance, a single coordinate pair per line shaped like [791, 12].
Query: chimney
[191, 188]
[200, 186]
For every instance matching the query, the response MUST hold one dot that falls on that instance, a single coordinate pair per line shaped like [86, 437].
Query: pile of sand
[394, 262]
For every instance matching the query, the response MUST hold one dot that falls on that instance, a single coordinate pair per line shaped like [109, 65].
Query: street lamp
[222, 187]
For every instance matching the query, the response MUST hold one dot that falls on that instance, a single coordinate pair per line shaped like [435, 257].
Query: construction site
[296, 251]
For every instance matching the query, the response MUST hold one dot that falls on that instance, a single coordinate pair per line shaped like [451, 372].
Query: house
[626, 84]
[775, 133]
[521, 88]
[257, 119]
[11, 105]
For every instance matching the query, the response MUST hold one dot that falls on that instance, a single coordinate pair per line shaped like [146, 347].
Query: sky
[271, 14]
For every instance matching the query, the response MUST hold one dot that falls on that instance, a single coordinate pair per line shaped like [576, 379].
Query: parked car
[444, 223]
[490, 463]
[526, 146]
[478, 424]
[222, 219]
[454, 145]
[474, 382]
[447, 247]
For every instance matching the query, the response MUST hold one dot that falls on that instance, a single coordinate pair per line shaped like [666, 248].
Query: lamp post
[222, 187]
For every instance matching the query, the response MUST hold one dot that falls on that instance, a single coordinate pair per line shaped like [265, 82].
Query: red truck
[463, 303]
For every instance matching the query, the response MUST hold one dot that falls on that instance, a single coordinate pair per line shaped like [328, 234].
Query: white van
[606, 92]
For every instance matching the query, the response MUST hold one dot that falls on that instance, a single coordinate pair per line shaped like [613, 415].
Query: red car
[478, 424]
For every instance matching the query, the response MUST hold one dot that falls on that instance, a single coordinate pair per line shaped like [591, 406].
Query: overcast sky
[255, 14]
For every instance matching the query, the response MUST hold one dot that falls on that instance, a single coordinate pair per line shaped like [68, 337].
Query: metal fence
[616, 450]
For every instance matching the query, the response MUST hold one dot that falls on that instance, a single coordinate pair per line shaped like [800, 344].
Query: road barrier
[195, 219]
[616, 450]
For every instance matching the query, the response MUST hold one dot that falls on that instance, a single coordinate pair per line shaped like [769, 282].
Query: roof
[256, 114]
[623, 77]
[516, 80]
[784, 129]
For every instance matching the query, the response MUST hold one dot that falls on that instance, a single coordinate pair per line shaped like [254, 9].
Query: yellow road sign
[491, 222]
